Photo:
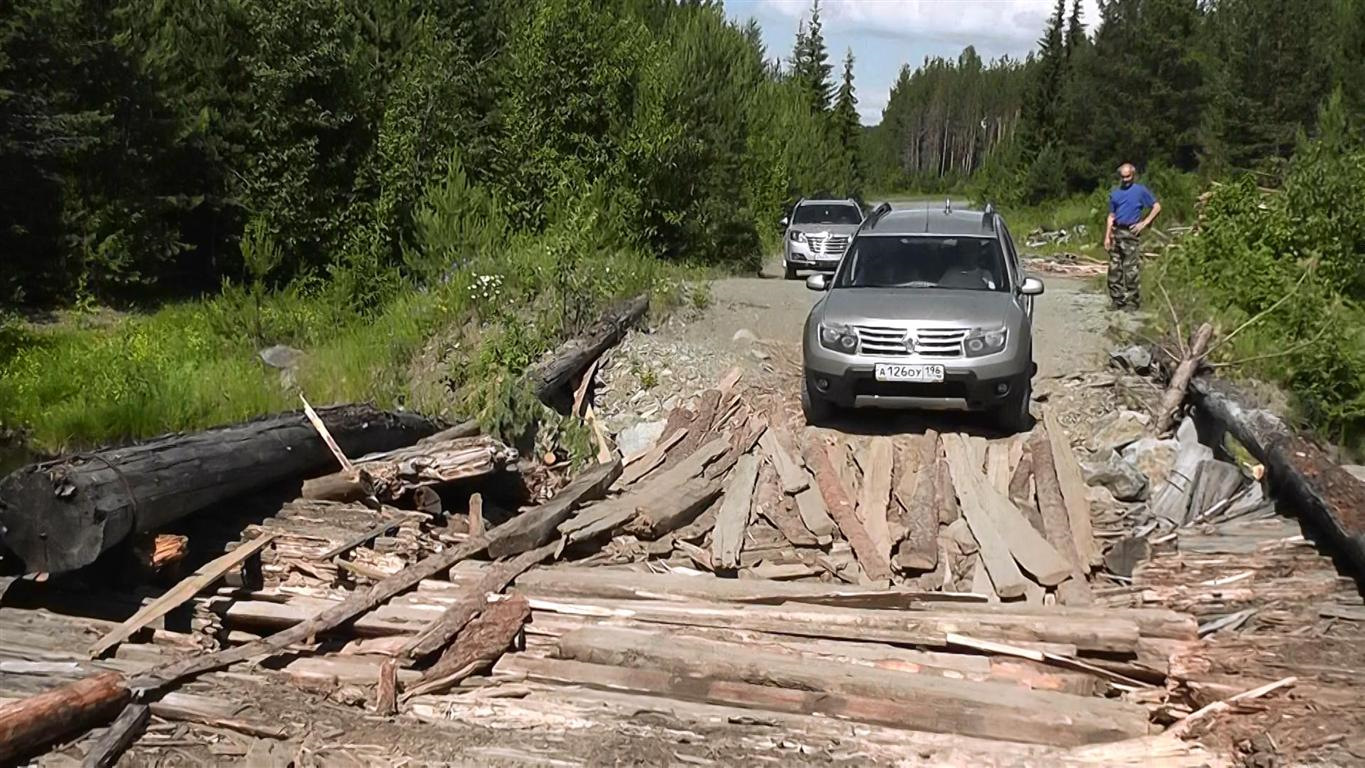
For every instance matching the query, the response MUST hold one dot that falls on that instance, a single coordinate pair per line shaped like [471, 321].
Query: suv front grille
[830, 247]
[888, 341]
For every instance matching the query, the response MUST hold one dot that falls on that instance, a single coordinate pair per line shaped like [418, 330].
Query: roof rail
[947, 205]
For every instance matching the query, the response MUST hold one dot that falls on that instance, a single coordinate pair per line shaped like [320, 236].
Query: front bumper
[968, 384]
[799, 255]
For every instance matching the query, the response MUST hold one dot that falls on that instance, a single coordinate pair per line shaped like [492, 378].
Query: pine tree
[1076, 40]
[850, 129]
[810, 63]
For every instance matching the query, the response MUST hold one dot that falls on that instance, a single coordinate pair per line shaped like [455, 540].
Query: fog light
[822, 384]
[1002, 388]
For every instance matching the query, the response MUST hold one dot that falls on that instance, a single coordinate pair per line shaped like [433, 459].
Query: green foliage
[811, 69]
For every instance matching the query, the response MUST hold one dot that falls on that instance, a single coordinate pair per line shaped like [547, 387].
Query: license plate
[894, 372]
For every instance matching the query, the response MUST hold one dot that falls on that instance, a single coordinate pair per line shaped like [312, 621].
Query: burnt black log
[60, 515]
[553, 378]
[1313, 486]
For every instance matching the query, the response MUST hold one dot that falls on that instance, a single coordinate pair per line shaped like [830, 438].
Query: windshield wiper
[918, 284]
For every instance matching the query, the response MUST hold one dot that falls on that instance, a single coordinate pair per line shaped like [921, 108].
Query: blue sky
[884, 34]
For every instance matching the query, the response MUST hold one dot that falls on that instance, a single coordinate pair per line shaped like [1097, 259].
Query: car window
[890, 261]
[835, 213]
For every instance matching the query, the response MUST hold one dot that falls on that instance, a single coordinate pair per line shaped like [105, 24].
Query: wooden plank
[657, 517]
[639, 466]
[777, 508]
[810, 505]
[727, 538]
[981, 581]
[976, 448]
[874, 497]
[1056, 521]
[1074, 492]
[968, 707]
[476, 526]
[821, 459]
[998, 464]
[925, 627]
[919, 550]
[794, 477]
[118, 737]
[995, 551]
[478, 646]
[187, 588]
[946, 502]
[534, 527]
[1021, 489]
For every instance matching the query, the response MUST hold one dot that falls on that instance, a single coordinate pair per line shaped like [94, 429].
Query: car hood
[822, 229]
[920, 306]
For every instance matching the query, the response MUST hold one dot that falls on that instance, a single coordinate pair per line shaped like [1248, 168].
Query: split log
[733, 517]
[946, 500]
[534, 527]
[674, 510]
[793, 476]
[1074, 492]
[777, 508]
[60, 515]
[118, 737]
[29, 725]
[386, 690]
[1314, 485]
[478, 647]
[1056, 522]
[971, 708]
[919, 550]
[551, 379]
[647, 462]
[821, 459]
[389, 476]
[1180, 380]
[995, 552]
[810, 505]
[874, 498]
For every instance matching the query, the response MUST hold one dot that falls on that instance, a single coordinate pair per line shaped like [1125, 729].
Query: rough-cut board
[820, 458]
[991, 710]
[919, 550]
[652, 458]
[874, 497]
[1056, 522]
[946, 500]
[118, 737]
[477, 647]
[1074, 492]
[778, 509]
[532, 528]
[793, 476]
[673, 510]
[727, 538]
[810, 505]
[189, 587]
[60, 515]
[1029, 548]
[926, 627]
[28, 725]
[998, 464]
[994, 548]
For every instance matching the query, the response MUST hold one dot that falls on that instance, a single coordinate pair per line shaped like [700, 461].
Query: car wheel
[791, 271]
[817, 409]
[1013, 417]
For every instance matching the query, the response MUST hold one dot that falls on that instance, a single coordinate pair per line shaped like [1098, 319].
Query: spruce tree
[810, 63]
[850, 129]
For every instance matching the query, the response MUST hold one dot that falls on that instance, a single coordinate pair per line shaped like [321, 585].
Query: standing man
[1127, 202]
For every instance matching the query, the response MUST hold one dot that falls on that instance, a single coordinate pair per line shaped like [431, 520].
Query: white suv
[817, 234]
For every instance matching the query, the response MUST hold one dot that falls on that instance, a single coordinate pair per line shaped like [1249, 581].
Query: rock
[1355, 470]
[1135, 358]
[639, 437]
[1117, 431]
[744, 336]
[1126, 554]
[1153, 457]
[1099, 496]
[1120, 476]
[282, 357]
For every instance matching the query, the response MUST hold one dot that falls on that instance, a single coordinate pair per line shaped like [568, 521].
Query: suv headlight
[797, 236]
[838, 337]
[984, 342]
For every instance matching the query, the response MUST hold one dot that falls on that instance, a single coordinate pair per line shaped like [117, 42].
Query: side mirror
[817, 283]
[784, 222]
[1031, 286]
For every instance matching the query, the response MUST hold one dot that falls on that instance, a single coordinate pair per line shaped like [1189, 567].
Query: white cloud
[871, 104]
[995, 27]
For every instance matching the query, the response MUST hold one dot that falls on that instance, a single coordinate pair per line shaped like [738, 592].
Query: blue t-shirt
[1127, 204]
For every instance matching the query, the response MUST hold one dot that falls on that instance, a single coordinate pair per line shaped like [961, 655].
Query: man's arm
[1109, 232]
[1141, 225]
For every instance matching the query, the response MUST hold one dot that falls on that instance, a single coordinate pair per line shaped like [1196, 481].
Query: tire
[790, 271]
[1013, 417]
[816, 409]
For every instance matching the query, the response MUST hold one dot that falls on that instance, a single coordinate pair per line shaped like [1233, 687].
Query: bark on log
[1316, 487]
[391, 475]
[28, 725]
[60, 515]
[1180, 380]
[552, 379]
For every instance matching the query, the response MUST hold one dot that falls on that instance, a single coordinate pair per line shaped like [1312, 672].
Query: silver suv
[929, 309]
[818, 233]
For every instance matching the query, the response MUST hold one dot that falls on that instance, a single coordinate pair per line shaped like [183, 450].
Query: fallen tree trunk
[28, 725]
[552, 379]
[389, 476]
[60, 515]
[1180, 380]
[1315, 487]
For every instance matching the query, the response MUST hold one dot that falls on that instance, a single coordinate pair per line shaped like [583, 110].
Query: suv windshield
[962, 263]
[834, 213]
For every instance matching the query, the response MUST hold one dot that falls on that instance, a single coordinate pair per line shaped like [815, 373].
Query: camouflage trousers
[1124, 265]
